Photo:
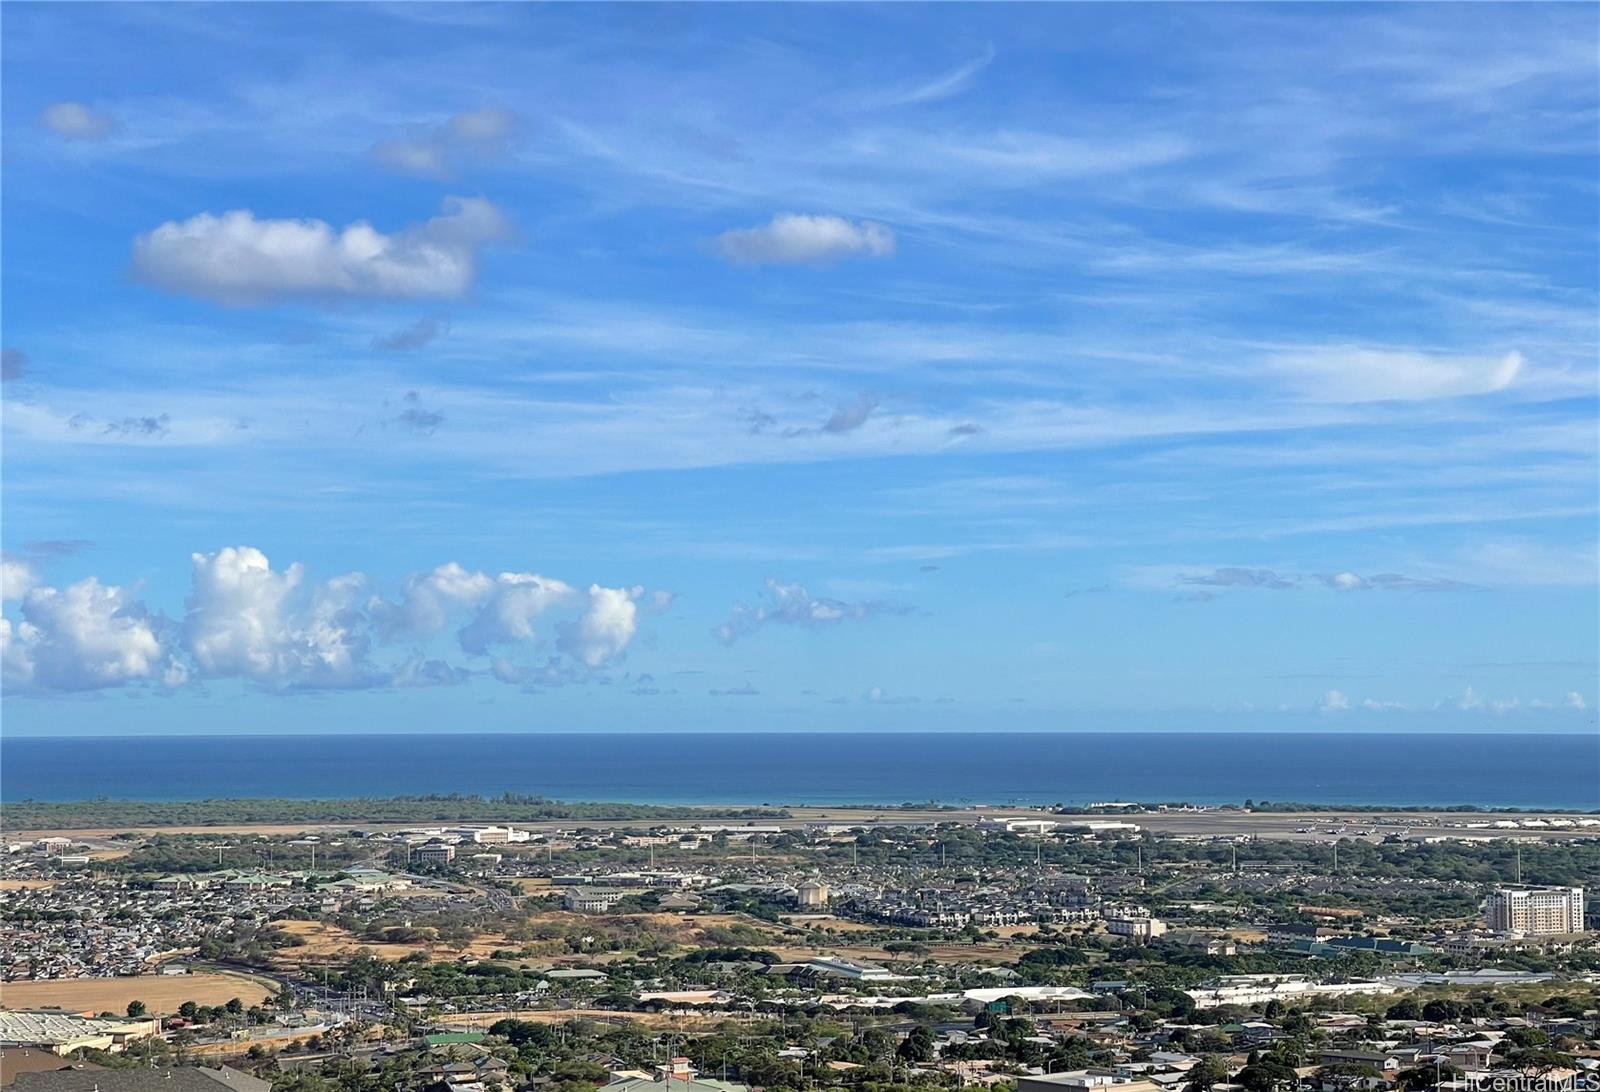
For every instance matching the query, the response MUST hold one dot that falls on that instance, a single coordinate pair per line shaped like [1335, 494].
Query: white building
[1535, 910]
[838, 967]
[1256, 989]
[434, 853]
[593, 900]
[1136, 928]
[1017, 824]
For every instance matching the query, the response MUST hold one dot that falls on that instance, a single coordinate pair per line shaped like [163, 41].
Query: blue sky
[412, 367]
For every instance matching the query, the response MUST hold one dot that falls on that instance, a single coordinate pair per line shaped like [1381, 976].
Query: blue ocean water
[1532, 771]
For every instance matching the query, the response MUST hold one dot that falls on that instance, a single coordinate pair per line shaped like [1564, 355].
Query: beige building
[812, 893]
[1535, 910]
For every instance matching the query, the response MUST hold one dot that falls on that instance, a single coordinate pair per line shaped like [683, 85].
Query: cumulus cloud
[17, 577]
[508, 613]
[602, 633]
[505, 610]
[429, 599]
[246, 620]
[85, 637]
[75, 121]
[13, 364]
[793, 605]
[417, 671]
[1574, 700]
[1334, 701]
[1348, 374]
[239, 260]
[792, 239]
[440, 151]
[415, 336]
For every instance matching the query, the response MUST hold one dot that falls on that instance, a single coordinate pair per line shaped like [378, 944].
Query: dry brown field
[159, 992]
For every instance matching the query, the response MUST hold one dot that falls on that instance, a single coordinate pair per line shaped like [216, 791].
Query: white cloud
[1334, 701]
[1349, 374]
[430, 599]
[246, 620]
[75, 121]
[793, 605]
[602, 634]
[237, 259]
[504, 610]
[509, 611]
[792, 239]
[440, 151]
[84, 637]
[16, 577]
[1574, 700]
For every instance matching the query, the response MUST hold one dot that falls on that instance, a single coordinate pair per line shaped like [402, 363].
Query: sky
[424, 367]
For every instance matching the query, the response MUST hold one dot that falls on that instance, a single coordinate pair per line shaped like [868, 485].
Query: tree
[234, 1006]
[1407, 1009]
[136, 1008]
[1425, 1076]
[1211, 1069]
[188, 1009]
[918, 1046]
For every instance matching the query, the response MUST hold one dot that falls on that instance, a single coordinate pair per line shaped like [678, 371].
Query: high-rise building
[1535, 910]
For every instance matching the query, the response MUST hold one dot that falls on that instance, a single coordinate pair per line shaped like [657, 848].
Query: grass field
[159, 992]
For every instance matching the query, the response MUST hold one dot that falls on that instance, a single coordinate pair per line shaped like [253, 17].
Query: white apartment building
[1535, 910]
[1136, 928]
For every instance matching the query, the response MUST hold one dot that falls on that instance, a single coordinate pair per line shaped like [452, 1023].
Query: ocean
[1528, 771]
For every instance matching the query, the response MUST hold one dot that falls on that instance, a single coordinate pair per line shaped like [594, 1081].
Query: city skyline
[641, 368]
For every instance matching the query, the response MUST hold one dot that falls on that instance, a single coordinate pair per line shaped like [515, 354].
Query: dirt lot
[160, 992]
[25, 885]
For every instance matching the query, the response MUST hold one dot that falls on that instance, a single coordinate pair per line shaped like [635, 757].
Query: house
[176, 1079]
[678, 1076]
